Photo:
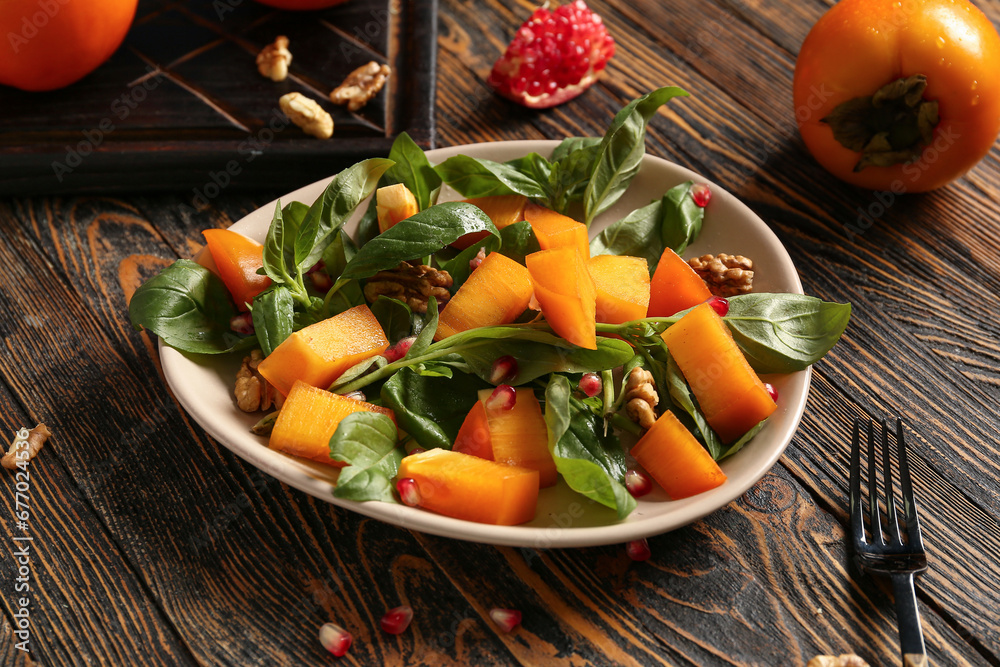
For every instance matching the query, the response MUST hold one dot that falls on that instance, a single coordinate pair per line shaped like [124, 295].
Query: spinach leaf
[273, 312]
[368, 225]
[744, 439]
[621, 151]
[189, 308]
[426, 336]
[335, 258]
[572, 144]
[518, 240]
[278, 248]
[366, 441]
[782, 333]
[394, 316]
[413, 170]
[571, 175]
[474, 177]
[673, 221]
[431, 409]
[537, 358]
[329, 212]
[294, 213]
[534, 166]
[591, 462]
[418, 236]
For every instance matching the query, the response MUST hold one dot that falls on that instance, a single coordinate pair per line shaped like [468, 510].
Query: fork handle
[911, 638]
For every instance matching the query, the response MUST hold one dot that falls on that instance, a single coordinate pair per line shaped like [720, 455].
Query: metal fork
[886, 553]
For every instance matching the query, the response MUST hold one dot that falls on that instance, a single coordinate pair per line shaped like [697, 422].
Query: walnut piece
[307, 114]
[412, 284]
[253, 392]
[25, 445]
[361, 85]
[725, 275]
[844, 660]
[274, 59]
[641, 397]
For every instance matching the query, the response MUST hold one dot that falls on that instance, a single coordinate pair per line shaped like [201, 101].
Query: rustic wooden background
[154, 545]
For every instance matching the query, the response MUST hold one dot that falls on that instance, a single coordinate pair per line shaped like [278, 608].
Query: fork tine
[875, 518]
[887, 483]
[857, 514]
[906, 489]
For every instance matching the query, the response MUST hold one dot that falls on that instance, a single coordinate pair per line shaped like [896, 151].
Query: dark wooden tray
[181, 105]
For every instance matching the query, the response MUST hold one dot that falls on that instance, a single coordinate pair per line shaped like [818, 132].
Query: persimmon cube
[676, 460]
[393, 204]
[472, 489]
[308, 419]
[503, 210]
[675, 286]
[555, 230]
[622, 285]
[236, 259]
[566, 293]
[319, 353]
[728, 390]
[495, 293]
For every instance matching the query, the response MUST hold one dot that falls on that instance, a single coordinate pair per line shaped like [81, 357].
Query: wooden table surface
[154, 545]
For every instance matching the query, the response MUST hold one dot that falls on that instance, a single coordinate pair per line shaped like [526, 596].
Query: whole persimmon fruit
[49, 44]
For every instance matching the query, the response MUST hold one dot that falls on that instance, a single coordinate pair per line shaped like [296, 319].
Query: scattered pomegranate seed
[591, 384]
[719, 304]
[335, 639]
[504, 369]
[399, 350]
[397, 620]
[321, 281]
[477, 260]
[242, 324]
[554, 56]
[416, 450]
[408, 491]
[638, 549]
[506, 619]
[637, 483]
[503, 398]
[772, 391]
[701, 194]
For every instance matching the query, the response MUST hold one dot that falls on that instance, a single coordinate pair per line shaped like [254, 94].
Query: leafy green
[590, 462]
[458, 266]
[394, 316]
[474, 177]
[418, 236]
[273, 312]
[189, 308]
[573, 144]
[425, 338]
[278, 249]
[366, 441]
[518, 240]
[431, 409]
[783, 333]
[620, 153]
[335, 258]
[413, 170]
[536, 358]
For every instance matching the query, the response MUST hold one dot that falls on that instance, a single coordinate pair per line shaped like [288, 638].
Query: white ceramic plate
[203, 384]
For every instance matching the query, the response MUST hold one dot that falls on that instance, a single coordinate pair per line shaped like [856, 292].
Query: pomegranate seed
[416, 450]
[701, 194]
[591, 384]
[477, 260]
[637, 483]
[399, 350]
[321, 281]
[408, 491]
[503, 398]
[506, 619]
[504, 369]
[397, 620]
[772, 391]
[242, 324]
[335, 639]
[638, 550]
[720, 305]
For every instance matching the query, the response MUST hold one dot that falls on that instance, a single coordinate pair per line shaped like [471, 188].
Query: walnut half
[641, 397]
[361, 85]
[274, 59]
[253, 392]
[307, 114]
[725, 275]
[413, 284]
[844, 660]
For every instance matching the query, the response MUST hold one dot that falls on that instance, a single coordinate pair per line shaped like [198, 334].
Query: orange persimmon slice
[236, 260]
[676, 460]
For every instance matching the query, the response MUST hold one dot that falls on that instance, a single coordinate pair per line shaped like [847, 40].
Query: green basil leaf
[681, 220]
[422, 234]
[536, 358]
[277, 255]
[518, 240]
[473, 177]
[189, 308]
[368, 225]
[571, 176]
[294, 213]
[413, 170]
[394, 316]
[573, 144]
[366, 441]
[273, 312]
[329, 212]
[783, 333]
[335, 258]
[621, 151]
[425, 338]
[744, 439]
[591, 463]
[431, 409]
